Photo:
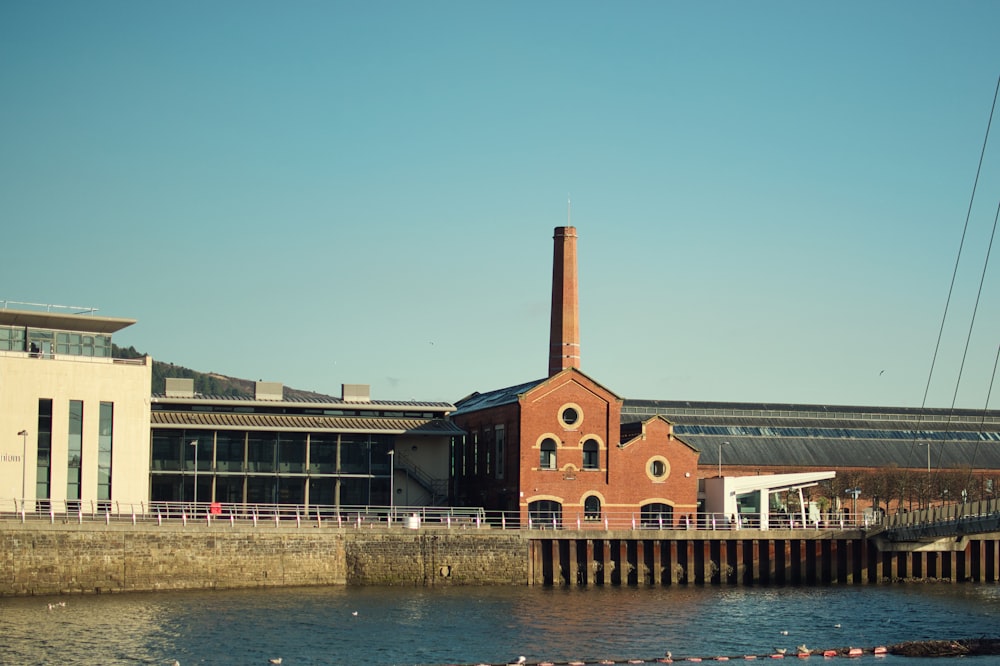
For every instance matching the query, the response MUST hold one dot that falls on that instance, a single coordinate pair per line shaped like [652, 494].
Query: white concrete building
[74, 422]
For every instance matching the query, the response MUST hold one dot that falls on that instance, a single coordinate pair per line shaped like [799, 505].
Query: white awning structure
[722, 493]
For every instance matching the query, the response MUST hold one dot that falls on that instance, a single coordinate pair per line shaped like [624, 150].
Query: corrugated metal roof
[842, 452]
[318, 401]
[303, 423]
[831, 436]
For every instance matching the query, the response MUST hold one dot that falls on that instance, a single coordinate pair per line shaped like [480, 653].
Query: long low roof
[830, 436]
[303, 423]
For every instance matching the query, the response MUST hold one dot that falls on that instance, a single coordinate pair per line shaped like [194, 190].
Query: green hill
[206, 383]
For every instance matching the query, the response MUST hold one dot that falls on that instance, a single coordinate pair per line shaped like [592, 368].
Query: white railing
[405, 517]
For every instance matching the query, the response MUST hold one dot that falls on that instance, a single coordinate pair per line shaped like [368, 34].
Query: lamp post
[24, 463]
[392, 489]
[195, 445]
[854, 492]
[720, 457]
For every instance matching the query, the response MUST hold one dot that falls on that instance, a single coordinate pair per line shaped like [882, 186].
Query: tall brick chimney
[564, 333]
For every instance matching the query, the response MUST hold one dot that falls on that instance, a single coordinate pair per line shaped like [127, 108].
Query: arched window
[657, 514]
[545, 513]
[592, 508]
[591, 454]
[548, 454]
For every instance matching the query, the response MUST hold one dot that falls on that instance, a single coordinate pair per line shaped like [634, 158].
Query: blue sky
[769, 196]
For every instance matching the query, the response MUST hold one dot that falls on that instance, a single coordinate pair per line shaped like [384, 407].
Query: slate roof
[829, 436]
[503, 396]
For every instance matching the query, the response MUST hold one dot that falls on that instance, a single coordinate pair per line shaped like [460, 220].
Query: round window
[571, 416]
[658, 469]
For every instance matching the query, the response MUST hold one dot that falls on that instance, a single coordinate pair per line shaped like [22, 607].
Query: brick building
[555, 449]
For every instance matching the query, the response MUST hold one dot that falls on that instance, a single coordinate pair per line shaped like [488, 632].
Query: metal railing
[373, 516]
[948, 520]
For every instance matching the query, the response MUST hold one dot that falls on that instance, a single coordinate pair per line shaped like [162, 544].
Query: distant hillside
[205, 383]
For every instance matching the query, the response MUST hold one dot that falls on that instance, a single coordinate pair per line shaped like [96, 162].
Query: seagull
[274, 660]
[783, 632]
[521, 660]
[781, 650]
[802, 649]
[354, 613]
[836, 626]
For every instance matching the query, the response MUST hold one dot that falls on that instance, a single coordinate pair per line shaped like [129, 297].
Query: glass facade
[44, 342]
[265, 467]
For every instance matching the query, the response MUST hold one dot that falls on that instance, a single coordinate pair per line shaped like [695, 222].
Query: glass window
[656, 514]
[74, 449]
[545, 513]
[167, 452]
[43, 465]
[355, 455]
[499, 456]
[657, 468]
[323, 454]
[591, 454]
[104, 445]
[229, 450]
[261, 450]
[548, 454]
[292, 452]
[570, 416]
[592, 508]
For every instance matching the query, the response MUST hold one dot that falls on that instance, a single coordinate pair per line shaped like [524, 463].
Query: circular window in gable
[658, 468]
[571, 416]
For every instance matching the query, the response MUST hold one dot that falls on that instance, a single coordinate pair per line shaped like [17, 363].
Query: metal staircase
[435, 487]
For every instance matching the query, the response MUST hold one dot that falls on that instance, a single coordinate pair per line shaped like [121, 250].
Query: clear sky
[769, 196]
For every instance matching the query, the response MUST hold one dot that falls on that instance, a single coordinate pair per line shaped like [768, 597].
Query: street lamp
[195, 445]
[720, 457]
[24, 462]
[392, 489]
[854, 492]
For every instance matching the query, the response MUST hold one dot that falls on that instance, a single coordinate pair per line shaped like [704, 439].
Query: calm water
[471, 625]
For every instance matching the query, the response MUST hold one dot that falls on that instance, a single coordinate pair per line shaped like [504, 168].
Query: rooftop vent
[179, 387]
[355, 392]
[268, 391]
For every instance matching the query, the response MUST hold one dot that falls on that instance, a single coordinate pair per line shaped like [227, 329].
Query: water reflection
[471, 625]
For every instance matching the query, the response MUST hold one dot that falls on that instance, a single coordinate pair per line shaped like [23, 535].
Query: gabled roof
[511, 394]
[635, 429]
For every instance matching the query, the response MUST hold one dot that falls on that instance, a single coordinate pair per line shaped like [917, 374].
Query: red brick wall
[622, 482]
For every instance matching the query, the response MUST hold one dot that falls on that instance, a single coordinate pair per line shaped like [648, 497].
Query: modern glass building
[348, 451]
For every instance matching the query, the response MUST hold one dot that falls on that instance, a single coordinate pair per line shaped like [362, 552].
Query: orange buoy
[829, 653]
[854, 652]
[881, 650]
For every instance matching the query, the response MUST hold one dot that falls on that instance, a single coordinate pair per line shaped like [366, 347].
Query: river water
[387, 626]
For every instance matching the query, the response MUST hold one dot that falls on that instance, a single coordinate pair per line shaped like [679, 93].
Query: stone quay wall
[42, 558]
